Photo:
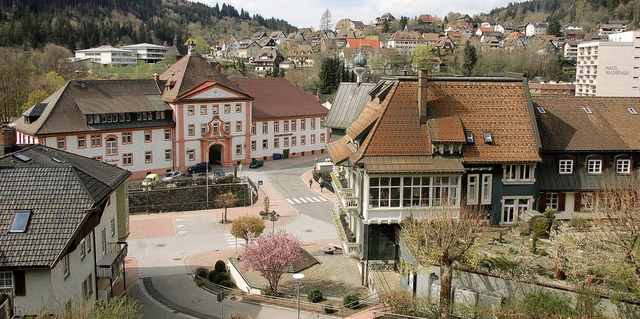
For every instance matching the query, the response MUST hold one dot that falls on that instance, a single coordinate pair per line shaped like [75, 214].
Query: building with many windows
[108, 55]
[149, 53]
[589, 145]
[64, 221]
[609, 68]
[189, 114]
[421, 146]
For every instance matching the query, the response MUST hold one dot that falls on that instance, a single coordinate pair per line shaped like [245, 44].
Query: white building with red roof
[191, 113]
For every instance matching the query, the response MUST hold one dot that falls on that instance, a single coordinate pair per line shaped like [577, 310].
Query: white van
[323, 167]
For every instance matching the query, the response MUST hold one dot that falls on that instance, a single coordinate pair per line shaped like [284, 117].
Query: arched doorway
[215, 154]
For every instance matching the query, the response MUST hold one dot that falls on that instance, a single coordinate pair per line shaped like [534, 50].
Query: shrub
[212, 275]
[541, 252]
[540, 227]
[541, 304]
[351, 301]
[218, 277]
[314, 295]
[579, 223]
[220, 266]
[227, 283]
[202, 272]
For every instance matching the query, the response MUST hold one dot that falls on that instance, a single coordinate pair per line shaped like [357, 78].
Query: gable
[211, 91]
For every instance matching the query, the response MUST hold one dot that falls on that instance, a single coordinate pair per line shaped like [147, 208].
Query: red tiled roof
[446, 129]
[277, 97]
[356, 43]
[498, 107]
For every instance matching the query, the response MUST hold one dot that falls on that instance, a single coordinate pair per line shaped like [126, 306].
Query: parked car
[182, 180]
[171, 176]
[218, 172]
[150, 181]
[256, 164]
[199, 168]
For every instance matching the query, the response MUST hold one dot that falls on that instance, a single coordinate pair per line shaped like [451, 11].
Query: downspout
[95, 261]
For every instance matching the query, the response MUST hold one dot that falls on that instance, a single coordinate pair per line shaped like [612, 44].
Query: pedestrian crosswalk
[231, 241]
[306, 200]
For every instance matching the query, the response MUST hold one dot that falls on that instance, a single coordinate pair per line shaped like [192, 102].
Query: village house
[424, 145]
[189, 114]
[55, 256]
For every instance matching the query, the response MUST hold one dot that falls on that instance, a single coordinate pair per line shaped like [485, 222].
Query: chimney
[422, 95]
[8, 139]
[219, 67]
[156, 78]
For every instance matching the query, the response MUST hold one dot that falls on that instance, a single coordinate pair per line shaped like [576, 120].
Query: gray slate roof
[348, 104]
[60, 189]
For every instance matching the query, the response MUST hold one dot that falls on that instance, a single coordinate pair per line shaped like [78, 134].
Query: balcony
[347, 199]
[109, 266]
[351, 248]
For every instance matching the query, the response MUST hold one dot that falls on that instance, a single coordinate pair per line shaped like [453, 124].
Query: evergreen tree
[470, 58]
[330, 75]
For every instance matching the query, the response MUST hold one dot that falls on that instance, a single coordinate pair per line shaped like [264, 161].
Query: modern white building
[150, 53]
[609, 68]
[108, 55]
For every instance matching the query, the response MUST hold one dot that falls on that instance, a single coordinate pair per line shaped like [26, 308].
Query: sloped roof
[390, 125]
[567, 127]
[356, 43]
[348, 103]
[277, 97]
[66, 108]
[60, 189]
[190, 72]
[496, 105]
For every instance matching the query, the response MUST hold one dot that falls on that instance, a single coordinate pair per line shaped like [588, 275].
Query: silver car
[171, 176]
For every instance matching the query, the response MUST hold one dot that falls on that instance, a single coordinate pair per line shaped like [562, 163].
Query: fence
[189, 197]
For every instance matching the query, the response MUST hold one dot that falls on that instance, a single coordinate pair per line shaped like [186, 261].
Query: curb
[151, 289]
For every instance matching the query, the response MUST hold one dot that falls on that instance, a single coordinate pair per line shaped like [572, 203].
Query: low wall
[241, 282]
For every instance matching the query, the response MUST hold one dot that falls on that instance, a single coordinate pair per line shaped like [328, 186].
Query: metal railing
[111, 271]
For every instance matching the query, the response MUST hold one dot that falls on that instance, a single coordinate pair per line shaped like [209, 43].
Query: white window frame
[65, 266]
[565, 166]
[552, 200]
[111, 145]
[486, 187]
[6, 279]
[623, 166]
[518, 173]
[517, 206]
[473, 189]
[594, 166]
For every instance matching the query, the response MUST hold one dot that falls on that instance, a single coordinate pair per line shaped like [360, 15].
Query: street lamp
[273, 217]
[298, 277]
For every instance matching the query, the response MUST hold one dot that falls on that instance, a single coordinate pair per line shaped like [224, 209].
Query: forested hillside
[81, 24]
[588, 13]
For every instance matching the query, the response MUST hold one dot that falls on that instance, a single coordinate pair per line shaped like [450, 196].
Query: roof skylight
[20, 221]
[632, 111]
[587, 110]
[541, 110]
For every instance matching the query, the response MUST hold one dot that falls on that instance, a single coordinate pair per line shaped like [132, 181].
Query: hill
[588, 13]
[81, 24]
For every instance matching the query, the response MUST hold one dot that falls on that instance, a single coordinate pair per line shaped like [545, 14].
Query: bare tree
[325, 21]
[442, 238]
[226, 200]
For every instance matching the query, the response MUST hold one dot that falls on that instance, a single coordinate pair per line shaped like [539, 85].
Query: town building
[149, 53]
[424, 145]
[191, 113]
[575, 164]
[609, 68]
[108, 55]
[555, 88]
[405, 41]
[65, 223]
[532, 28]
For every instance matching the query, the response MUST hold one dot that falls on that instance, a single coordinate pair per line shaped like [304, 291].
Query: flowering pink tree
[271, 254]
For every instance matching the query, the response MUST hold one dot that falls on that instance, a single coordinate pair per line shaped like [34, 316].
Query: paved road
[161, 243]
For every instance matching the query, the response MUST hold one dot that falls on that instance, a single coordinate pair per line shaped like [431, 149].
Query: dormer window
[594, 166]
[565, 166]
[488, 138]
[623, 165]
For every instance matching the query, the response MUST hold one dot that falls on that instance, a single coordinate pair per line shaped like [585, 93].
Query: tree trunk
[224, 217]
[445, 290]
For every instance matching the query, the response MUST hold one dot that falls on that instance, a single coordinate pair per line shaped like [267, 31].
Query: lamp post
[273, 217]
[298, 277]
